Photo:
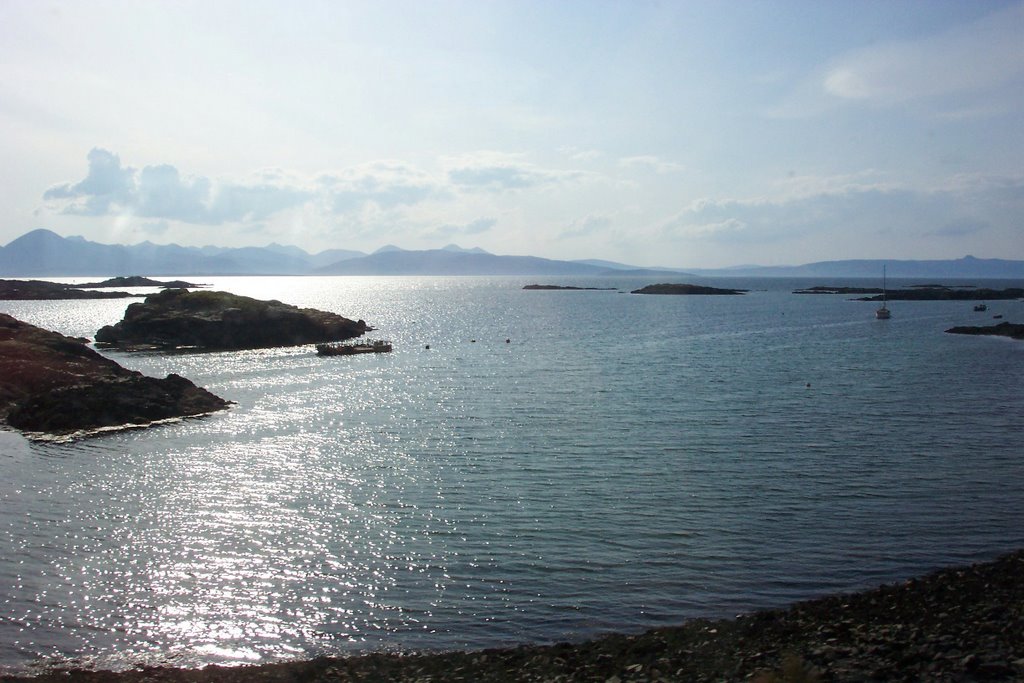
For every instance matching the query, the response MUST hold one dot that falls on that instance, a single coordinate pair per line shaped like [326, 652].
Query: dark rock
[176, 318]
[40, 290]
[56, 384]
[685, 289]
[133, 400]
[1007, 329]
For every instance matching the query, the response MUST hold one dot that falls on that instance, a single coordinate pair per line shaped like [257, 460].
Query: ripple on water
[624, 462]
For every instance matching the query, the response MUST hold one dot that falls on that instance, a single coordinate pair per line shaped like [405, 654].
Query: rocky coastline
[211, 320]
[959, 624]
[57, 385]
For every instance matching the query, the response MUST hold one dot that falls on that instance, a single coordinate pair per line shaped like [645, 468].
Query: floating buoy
[508, 341]
[427, 347]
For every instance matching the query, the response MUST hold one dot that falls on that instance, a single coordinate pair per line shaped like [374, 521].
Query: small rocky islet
[685, 289]
[213, 320]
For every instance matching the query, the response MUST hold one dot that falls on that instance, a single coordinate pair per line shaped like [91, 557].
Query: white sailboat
[882, 313]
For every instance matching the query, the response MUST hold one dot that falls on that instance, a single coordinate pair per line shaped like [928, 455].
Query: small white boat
[882, 313]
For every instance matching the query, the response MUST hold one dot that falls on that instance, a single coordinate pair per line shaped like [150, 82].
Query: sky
[654, 133]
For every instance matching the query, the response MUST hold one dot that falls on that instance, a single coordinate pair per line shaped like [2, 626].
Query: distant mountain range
[43, 253]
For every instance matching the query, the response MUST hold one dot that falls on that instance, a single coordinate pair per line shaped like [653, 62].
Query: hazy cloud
[650, 162]
[586, 227]
[498, 172]
[959, 228]
[986, 54]
[388, 184]
[477, 227]
[951, 211]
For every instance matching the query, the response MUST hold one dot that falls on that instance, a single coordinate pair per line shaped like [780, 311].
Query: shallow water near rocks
[622, 462]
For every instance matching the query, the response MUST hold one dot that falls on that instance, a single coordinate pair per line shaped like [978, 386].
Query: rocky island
[57, 385]
[138, 281]
[685, 289]
[206, 320]
[942, 293]
[41, 290]
[1011, 330]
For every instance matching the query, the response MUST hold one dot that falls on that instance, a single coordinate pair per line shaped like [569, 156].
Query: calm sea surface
[622, 462]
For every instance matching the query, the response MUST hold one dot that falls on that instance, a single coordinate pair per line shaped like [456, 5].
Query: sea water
[556, 465]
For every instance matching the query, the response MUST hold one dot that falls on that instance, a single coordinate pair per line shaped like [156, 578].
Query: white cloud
[161, 192]
[105, 185]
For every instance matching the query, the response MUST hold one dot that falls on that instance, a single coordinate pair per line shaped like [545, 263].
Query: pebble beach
[958, 624]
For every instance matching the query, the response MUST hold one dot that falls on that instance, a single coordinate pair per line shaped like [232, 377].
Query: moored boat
[882, 312]
[338, 349]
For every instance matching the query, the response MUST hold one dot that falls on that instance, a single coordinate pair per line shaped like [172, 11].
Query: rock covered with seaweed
[176, 318]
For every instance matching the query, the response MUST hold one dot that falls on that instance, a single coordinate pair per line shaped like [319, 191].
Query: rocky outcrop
[176, 318]
[40, 290]
[58, 385]
[685, 289]
[1011, 330]
[138, 281]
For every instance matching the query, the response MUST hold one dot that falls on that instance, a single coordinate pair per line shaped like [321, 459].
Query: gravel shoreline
[960, 624]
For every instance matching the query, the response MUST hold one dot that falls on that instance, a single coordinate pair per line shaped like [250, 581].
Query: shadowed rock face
[56, 384]
[176, 318]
